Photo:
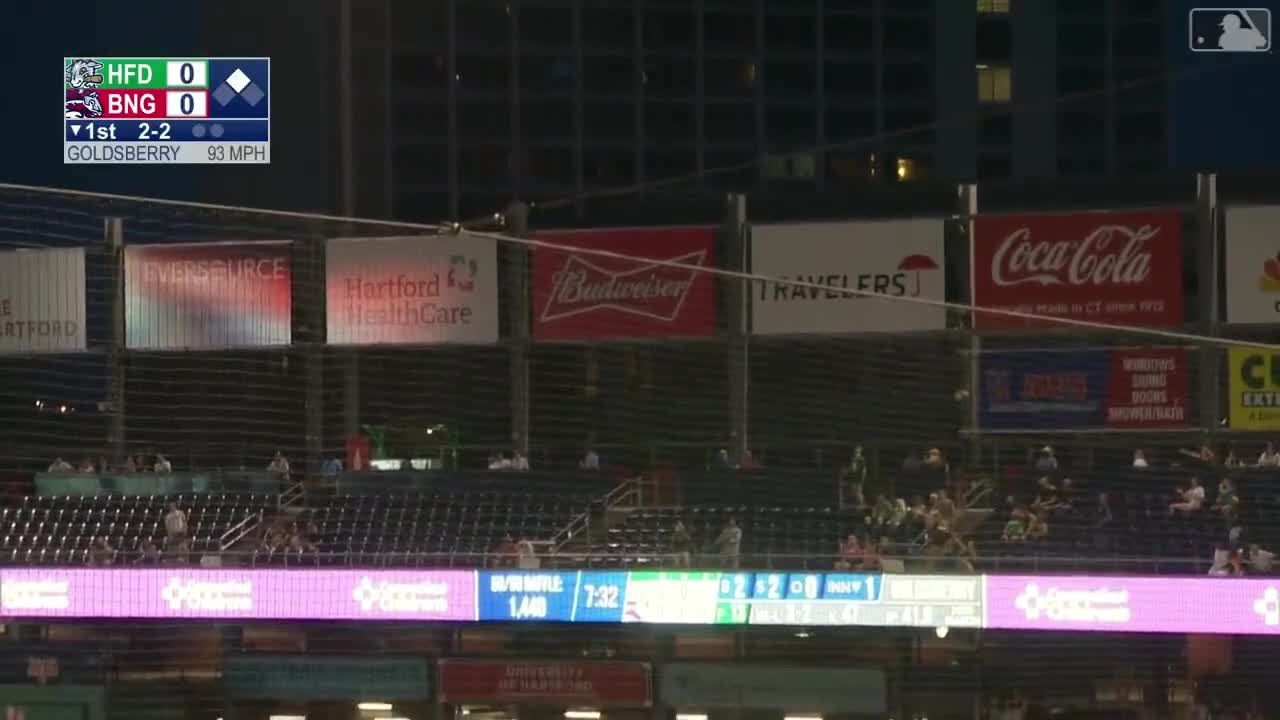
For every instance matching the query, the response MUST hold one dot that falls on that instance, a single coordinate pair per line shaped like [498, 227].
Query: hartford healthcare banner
[1121, 389]
[212, 296]
[412, 290]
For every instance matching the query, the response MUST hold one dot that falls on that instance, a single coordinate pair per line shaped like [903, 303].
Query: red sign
[585, 296]
[596, 684]
[1121, 268]
[1147, 389]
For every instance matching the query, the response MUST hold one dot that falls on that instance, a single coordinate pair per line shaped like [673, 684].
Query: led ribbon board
[166, 111]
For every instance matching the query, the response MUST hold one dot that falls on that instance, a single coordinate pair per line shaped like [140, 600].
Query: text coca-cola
[1109, 255]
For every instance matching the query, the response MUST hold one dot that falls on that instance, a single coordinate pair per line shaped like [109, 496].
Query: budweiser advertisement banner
[208, 297]
[589, 684]
[1122, 268]
[1253, 264]
[42, 301]
[412, 290]
[829, 274]
[629, 292]
[1122, 389]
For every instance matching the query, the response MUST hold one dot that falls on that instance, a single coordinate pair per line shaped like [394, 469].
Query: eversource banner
[412, 290]
[1121, 389]
[208, 297]
[1254, 389]
[897, 259]
[1253, 264]
[42, 301]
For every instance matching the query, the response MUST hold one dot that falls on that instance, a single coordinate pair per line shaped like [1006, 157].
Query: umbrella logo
[914, 265]
[1270, 280]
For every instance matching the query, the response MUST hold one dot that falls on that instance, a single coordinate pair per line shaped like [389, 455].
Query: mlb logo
[1230, 30]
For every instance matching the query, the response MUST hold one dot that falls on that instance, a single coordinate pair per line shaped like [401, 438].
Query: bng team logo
[1234, 30]
[81, 76]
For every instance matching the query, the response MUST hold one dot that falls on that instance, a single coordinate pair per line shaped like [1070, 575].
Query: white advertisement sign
[1253, 264]
[42, 306]
[412, 290]
[818, 264]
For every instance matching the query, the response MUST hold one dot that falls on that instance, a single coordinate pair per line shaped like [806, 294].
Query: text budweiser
[1109, 255]
[575, 287]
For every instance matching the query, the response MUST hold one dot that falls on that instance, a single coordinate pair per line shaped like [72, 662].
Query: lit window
[906, 169]
[994, 84]
[993, 7]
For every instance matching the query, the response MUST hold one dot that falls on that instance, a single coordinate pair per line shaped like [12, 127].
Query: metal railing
[237, 532]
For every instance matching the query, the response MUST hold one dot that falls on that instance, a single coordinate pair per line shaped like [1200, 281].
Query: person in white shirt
[59, 465]
[175, 529]
[279, 468]
[590, 461]
[730, 544]
[163, 465]
[1139, 459]
[1192, 498]
[1269, 457]
[499, 462]
[526, 556]
[519, 461]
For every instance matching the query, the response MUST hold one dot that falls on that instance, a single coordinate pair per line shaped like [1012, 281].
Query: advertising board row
[596, 683]
[1093, 604]
[1120, 268]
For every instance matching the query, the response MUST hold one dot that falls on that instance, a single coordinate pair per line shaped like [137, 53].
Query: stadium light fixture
[942, 631]
[802, 717]
[288, 717]
[374, 706]
[691, 716]
[582, 714]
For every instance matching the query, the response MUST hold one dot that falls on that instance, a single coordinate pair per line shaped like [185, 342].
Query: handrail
[582, 522]
[292, 495]
[239, 530]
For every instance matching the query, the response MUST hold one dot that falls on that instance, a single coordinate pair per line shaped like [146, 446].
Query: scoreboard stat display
[166, 111]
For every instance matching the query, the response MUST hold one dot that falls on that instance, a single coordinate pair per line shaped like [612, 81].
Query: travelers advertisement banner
[42, 301]
[589, 684]
[1254, 389]
[1122, 268]
[901, 259]
[1253, 264]
[214, 296]
[1122, 389]
[624, 294]
[412, 290]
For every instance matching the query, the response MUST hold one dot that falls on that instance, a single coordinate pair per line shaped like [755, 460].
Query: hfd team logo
[82, 76]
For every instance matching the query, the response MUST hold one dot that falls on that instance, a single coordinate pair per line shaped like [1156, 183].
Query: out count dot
[197, 131]
[216, 130]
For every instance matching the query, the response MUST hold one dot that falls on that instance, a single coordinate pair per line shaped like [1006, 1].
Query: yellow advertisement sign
[1254, 389]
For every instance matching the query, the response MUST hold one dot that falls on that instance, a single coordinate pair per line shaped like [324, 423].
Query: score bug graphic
[166, 111]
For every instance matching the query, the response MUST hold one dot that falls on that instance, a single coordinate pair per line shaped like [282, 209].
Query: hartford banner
[1115, 267]
[412, 290]
[1253, 264]
[1254, 389]
[825, 273]
[42, 301]
[208, 297]
[1121, 389]
[588, 296]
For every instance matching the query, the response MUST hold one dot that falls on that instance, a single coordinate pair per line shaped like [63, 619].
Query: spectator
[519, 462]
[1269, 457]
[148, 554]
[1038, 524]
[1192, 498]
[1016, 529]
[729, 544]
[140, 463]
[1233, 460]
[1046, 495]
[103, 465]
[590, 461]
[936, 470]
[505, 552]
[1260, 560]
[749, 461]
[1202, 456]
[682, 544]
[853, 480]
[526, 556]
[1228, 501]
[102, 553]
[1047, 462]
[86, 466]
[849, 553]
[279, 468]
[59, 466]
[722, 461]
[1140, 459]
[129, 465]
[163, 465]
[175, 526]
[332, 468]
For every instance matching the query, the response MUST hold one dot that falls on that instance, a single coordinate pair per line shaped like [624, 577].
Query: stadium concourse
[1186, 512]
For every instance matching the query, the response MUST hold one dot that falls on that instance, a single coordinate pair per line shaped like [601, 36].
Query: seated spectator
[1226, 563]
[590, 461]
[1038, 524]
[526, 556]
[1260, 561]
[86, 466]
[331, 468]
[148, 554]
[1202, 456]
[1269, 457]
[1140, 459]
[279, 468]
[1228, 501]
[519, 462]
[1046, 495]
[163, 465]
[505, 552]
[682, 544]
[102, 554]
[722, 461]
[59, 466]
[1046, 462]
[1192, 498]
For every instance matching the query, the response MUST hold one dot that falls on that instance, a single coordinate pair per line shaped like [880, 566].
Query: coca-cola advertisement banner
[1120, 389]
[1122, 268]
[648, 283]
